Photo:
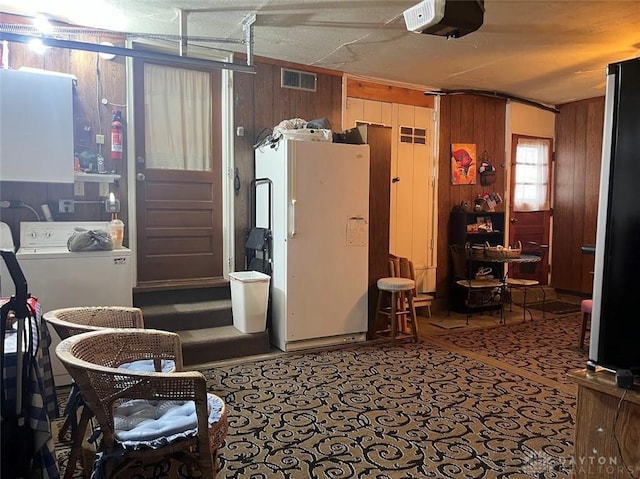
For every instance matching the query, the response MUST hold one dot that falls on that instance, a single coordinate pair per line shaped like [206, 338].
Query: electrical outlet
[78, 188]
[112, 206]
[100, 139]
[103, 189]
[66, 206]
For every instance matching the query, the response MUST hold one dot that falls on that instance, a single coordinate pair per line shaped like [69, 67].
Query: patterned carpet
[490, 403]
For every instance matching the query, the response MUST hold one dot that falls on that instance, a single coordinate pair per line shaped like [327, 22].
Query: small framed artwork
[463, 164]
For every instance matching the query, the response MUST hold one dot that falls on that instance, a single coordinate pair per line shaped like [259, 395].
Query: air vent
[298, 80]
[410, 134]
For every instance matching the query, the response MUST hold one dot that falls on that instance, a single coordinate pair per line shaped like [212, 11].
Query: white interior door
[412, 222]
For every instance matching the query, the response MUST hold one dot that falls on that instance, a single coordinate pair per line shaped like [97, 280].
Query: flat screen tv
[615, 326]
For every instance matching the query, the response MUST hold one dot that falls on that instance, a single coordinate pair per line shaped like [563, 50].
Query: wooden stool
[398, 288]
[585, 306]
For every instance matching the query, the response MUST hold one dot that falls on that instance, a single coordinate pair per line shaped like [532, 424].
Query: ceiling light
[106, 56]
[37, 46]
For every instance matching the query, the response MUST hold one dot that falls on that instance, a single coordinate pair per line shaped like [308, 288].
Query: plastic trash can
[249, 300]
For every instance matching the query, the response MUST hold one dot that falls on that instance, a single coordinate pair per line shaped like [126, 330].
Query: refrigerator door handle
[292, 196]
[292, 232]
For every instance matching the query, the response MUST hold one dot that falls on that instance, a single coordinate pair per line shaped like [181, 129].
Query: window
[177, 118]
[531, 174]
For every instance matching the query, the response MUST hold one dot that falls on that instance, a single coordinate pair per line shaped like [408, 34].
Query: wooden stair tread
[212, 335]
[198, 306]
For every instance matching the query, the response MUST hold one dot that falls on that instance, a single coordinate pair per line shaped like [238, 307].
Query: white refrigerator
[319, 222]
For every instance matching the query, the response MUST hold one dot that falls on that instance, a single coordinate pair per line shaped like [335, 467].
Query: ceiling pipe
[493, 94]
[129, 52]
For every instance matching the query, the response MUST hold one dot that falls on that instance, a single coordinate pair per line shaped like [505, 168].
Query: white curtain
[531, 192]
[177, 118]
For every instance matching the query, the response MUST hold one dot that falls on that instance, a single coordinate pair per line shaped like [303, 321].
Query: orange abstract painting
[463, 164]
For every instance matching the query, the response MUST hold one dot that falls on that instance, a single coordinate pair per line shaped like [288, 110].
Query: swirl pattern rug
[490, 403]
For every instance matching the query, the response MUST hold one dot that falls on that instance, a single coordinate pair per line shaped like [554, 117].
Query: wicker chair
[96, 362]
[68, 322]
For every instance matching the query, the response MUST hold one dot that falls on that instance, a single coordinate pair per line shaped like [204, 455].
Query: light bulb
[106, 56]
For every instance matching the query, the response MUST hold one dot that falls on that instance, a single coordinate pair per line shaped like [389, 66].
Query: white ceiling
[547, 51]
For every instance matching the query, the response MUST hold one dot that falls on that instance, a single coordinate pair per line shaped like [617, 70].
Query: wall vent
[297, 80]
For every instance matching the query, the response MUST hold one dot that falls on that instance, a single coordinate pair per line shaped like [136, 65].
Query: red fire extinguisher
[116, 135]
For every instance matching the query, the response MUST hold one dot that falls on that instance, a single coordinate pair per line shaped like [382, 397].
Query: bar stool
[586, 306]
[397, 288]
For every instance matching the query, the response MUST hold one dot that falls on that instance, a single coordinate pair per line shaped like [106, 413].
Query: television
[615, 328]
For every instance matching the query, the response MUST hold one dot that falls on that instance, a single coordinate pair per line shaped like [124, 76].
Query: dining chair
[401, 267]
[478, 293]
[68, 322]
[181, 422]
[527, 276]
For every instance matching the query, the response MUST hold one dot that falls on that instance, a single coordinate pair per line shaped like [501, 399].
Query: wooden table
[607, 430]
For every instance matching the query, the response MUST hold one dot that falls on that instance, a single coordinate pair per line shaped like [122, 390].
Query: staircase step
[201, 346]
[188, 316]
[142, 298]
[203, 319]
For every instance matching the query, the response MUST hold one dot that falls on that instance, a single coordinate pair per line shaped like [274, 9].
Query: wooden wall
[90, 118]
[259, 105]
[577, 180]
[466, 119]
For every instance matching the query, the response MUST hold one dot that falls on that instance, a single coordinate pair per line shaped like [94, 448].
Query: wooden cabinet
[607, 427]
[475, 228]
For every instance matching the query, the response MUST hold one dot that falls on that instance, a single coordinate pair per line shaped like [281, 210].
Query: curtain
[178, 118]
[531, 192]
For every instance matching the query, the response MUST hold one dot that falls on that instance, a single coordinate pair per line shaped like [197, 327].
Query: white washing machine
[60, 278]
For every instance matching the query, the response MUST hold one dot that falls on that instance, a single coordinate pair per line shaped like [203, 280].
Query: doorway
[530, 195]
[178, 175]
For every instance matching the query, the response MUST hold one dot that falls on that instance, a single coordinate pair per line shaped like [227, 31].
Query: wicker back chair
[71, 321]
[96, 362]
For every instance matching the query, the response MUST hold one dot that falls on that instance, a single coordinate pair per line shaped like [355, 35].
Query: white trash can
[249, 300]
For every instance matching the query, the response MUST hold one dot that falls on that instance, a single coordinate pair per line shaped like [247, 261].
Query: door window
[177, 118]
[531, 170]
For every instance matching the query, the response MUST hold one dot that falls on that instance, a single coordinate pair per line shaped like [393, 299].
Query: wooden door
[178, 205]
[379, 140]
[530, 223]
[412, 192]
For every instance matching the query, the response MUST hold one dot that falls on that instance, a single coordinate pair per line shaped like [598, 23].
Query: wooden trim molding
[388, 93]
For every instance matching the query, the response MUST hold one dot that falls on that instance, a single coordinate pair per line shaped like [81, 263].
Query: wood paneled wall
[260, 103]
[466, 119]
[91, 117]
[577, 180]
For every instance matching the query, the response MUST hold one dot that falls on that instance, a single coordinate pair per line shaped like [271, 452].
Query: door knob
[396, 179]
[513, 220]
[140, 177]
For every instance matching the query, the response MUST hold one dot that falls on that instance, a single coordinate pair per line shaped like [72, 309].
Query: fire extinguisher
[116, 135]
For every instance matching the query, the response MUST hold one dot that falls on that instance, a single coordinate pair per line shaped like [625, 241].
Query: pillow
[141, 423]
